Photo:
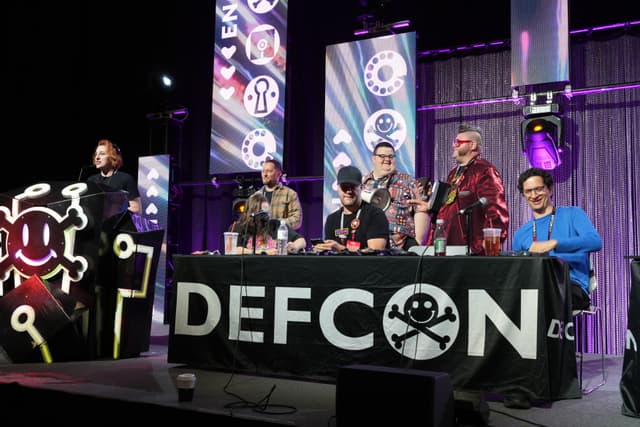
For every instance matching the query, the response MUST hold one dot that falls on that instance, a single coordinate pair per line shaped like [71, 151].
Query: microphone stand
[254, 234]
[467, 219]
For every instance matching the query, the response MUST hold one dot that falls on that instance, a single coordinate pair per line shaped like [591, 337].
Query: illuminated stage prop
[80, 240]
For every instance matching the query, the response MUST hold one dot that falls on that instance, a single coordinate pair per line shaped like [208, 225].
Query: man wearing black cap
[357, 225]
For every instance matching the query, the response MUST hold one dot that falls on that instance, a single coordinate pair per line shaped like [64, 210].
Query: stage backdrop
[369, 98]
[249, 69]
[600, 169]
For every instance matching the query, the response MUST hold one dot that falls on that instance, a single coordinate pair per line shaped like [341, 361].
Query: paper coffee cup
[186, 386]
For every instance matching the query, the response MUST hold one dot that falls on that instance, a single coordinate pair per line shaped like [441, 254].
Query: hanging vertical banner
[153, 184]
[539, 42]
[369, 98]
[249, 77]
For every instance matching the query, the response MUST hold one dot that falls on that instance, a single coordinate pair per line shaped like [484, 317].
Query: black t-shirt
[373, 224]
[118, 181]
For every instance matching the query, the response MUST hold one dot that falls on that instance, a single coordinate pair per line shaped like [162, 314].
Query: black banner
[630, 379]
[492, 323]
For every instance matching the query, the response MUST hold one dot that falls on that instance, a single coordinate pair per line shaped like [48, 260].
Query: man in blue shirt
[562, 231]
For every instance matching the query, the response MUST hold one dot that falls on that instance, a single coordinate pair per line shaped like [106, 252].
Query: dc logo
[421, 321]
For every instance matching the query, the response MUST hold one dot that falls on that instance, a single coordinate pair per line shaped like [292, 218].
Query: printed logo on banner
[261, 6]
[385, 72]
[385, 125]
[421, 321]
[263, 44]
[258, 146]
[261, 96]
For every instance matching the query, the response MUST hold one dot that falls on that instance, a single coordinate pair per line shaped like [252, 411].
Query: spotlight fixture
[240, 196]
[541, 133]
[372, 26]
[166, 81]
[178, 113]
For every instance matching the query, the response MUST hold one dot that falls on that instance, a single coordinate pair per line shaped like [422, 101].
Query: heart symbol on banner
[152, 191]
[228, 52]
[152, 209]
[227, 72]
[153, 174]
[226, 92]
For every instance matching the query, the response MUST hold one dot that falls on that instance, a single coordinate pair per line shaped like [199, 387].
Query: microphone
[82, 169]
[482, 201]
[258, 213]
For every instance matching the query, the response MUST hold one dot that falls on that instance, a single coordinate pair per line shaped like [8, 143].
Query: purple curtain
[600, 169]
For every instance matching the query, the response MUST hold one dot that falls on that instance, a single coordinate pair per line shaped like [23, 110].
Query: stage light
[240, 196]
[238, 207]
[167, 81]
[373, 26]
[541, 133]
[400, 24]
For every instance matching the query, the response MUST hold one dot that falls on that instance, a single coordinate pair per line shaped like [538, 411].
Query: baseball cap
[349, 175]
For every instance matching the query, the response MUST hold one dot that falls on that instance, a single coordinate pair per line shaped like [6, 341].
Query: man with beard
[356, 225]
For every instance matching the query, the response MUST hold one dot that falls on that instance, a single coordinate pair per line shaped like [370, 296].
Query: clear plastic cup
[230, 242]
[492, 241]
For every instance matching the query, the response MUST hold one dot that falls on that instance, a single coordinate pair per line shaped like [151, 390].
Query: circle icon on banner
[258, 146]
[385, 72]
[261, 6]
[385, 125]
[421, 321]
[261, 96]
[262, 44]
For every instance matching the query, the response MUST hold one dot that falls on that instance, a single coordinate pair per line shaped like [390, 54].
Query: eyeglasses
[385, 156]
[536, 190]
[458, 142]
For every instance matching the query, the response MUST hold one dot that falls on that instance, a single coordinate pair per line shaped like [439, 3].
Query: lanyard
[535, 233]
[455, 181]
[353, 225]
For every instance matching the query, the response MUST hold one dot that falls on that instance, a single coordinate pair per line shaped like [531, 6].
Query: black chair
[581, 318]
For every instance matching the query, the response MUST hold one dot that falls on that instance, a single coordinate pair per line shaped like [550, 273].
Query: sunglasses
[458, 142]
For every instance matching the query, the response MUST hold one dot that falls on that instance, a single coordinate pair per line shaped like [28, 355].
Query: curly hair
[113, 153]
[545, 175]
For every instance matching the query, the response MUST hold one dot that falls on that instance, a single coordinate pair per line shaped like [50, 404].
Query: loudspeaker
[368, 395]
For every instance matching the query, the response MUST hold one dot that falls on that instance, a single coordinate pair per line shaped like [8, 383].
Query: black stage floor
[144, 388]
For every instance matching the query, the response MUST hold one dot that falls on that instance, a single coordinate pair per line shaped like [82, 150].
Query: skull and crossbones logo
[385, 125]
[40, 241]
[427, 311]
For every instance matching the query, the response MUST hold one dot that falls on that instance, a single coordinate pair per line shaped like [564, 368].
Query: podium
[81, 243]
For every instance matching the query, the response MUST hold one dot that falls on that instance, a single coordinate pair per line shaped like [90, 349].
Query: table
[492, 323]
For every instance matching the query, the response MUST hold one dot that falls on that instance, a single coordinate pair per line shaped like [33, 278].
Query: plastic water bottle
[283, 238]
[440, 239]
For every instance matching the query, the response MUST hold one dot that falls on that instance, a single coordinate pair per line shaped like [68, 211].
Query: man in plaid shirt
[283, 200]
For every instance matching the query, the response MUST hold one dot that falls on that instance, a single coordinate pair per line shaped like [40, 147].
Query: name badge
[342, 233]
[353, 245]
